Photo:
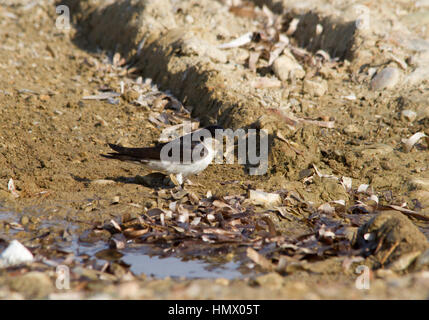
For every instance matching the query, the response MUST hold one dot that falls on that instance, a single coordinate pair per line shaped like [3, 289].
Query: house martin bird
[184, 156]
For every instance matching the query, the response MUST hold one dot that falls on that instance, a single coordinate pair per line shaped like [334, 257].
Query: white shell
[15, 254]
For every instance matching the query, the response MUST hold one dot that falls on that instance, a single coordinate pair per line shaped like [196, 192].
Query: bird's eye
[202, 139]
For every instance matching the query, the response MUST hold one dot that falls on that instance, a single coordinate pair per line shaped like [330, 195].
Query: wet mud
[352, 190]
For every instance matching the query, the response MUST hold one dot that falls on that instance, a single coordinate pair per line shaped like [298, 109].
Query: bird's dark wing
[134, 154]
[154, 153]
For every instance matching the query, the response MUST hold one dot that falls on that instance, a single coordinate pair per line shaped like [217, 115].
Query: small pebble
[385, 79]
[423, 259]
[351, 128]
[103, 182]
[25, 220]
[194, 46]
[44, 97]
[315, 88]
[115, 200]
[285, 68]
[408, 115]
[422, 196]
[419, 183]
[189, 19]
[376, 149]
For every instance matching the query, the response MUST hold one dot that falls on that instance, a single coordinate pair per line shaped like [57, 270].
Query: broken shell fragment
[15, 254]
[240, 41]
[362, 188]
[411, 141]
[11, 187]
[264, 199]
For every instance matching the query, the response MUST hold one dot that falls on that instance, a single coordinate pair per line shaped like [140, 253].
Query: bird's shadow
[154, 180]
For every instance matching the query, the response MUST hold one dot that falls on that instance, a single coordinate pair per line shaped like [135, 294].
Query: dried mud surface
[51, 140]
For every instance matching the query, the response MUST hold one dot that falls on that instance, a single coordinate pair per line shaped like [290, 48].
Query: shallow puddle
[142, 261]
[161, 267]
[6, 215]
[150, 260]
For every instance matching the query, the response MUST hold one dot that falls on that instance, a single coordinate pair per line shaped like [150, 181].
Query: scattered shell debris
[344, 102]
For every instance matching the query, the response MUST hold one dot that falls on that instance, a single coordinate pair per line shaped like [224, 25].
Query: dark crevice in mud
[121, 27]
[339, 38]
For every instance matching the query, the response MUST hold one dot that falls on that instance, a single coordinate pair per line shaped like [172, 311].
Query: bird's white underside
[182, 169]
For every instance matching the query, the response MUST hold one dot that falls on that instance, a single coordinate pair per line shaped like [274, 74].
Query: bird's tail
[133, 154]
[122, 153]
